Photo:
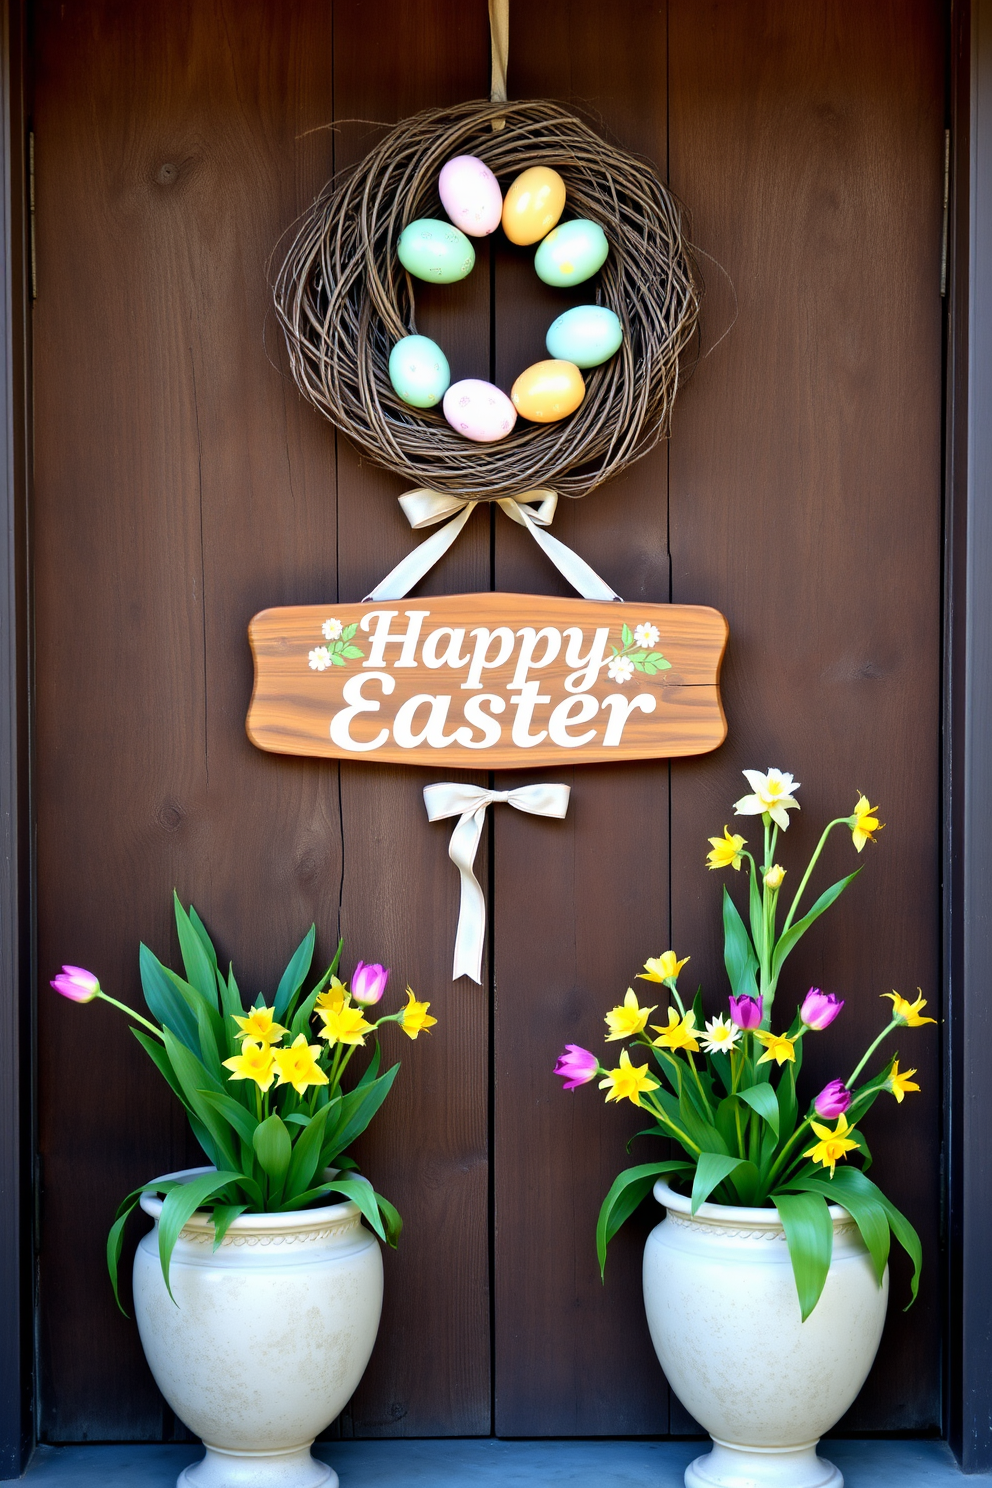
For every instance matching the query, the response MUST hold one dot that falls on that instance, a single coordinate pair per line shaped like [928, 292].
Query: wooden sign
[488, 681]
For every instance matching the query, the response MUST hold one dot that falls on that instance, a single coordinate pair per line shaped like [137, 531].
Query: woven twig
[344, 300]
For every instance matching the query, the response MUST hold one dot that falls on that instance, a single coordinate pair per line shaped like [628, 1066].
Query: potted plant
[766, 1284]
[258, 1290]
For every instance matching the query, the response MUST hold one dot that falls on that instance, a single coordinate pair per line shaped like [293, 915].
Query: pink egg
[471, 196]
[479, 411]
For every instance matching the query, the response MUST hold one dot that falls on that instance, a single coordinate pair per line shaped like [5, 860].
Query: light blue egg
[587, 336]
[571, 253]
[419, 371]
[435, 251]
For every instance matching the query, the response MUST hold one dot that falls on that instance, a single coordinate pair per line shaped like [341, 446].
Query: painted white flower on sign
[646, 635]
[332, 630]
[620, 669]
[320, 659]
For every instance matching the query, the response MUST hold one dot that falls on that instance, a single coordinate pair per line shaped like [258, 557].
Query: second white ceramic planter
[267, 1338]
[724, 1317]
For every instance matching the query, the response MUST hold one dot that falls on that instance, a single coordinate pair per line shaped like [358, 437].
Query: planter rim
[730, 1214]
[287, 1223]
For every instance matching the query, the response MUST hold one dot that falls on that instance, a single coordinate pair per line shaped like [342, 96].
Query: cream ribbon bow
[533, 509]
[468, 803]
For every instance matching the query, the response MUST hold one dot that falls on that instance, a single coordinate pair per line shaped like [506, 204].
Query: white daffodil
[320, 659]
[772, 793]
[721, 1035]
[331, 630]
[620, 669]
[646, 635]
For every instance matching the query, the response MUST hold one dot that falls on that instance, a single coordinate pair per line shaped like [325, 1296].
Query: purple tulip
[368, 983]
[746, 1011]
[833, 1100]
[76, 984]
[819, 1009]
[576, 1066]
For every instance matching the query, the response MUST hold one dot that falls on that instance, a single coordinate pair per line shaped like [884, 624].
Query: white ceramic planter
[271, 1335]
[724, 1317]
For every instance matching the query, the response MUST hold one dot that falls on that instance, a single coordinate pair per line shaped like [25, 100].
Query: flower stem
[657, 1111]
[105, 997]
[871, 1049]
[780, 1160]
[839, 821]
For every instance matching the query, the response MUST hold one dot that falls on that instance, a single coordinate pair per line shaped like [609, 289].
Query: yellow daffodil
[864, 823]
[627, 1021]
[416, 1018]
[663, 968]
[344, 1025]
[778, 1046]
[726, 850]
[773, 878]
[680, 1033]
[833, 1146]
[332, 998]
[910, 1013]
[721, 1035]
[260, 1026]
[255, 1062]
[900, 1081]
[628, 1081]
[298, 1065]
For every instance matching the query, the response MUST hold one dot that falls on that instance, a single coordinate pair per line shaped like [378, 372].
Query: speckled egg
[470, 195]
[572, 253]
[419, 371]
[434, 250]
[588, 335]
[548, 391]
[533, 204]
[479, 411]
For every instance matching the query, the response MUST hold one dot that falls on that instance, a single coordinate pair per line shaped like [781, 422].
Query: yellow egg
[533, 204]
[548, 391]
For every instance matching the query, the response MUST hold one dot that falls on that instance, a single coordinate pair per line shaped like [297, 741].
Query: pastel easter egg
[548, 391]
[434, 250]
[470, 195]
[587, 335]
[572, 253]
[479, 410]
[533, 204]
[419, 371]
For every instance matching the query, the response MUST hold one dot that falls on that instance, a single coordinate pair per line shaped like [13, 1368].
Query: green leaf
[224, 1216]
[207, 1034]
[273, 1148]
[115, 1238]
[193, 1075]
[711, 1170]
[200, 968]
[181, 1203]
[738, 953]
[626, 635]
[762, 1098]
[627, 1191]
[788, 1106]
[205, 940]
[306, 1154]
[659, 662]
[295, 975]
[864, 1203]
[164, 1002]
[701, 1131]
[362, 1194]
[391, 1219]
[233, 1112]
[349, 631]
[302, 1016]
[796, 931]
[355, 1112]
[910, 1242]
[351, 652]
[156, 1052]
[809, 1234]
[231, 1007]
[336, 660]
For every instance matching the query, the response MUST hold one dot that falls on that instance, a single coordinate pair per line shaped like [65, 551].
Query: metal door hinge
[946, 227]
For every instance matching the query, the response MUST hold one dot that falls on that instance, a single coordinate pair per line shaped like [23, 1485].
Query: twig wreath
[344, 299]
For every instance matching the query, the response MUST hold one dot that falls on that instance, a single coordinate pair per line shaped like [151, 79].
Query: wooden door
[180, 486]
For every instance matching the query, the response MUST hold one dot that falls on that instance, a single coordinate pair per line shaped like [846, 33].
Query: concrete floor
[481, 1463]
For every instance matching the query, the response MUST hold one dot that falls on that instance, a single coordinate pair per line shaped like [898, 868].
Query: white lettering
[529, 638]
[570, 713]
[359, 703]
[452, 653]
[491, 730]
[591, 663]
[432, 733]
[525, 705]
[480, 656]
[382, 638]
[620, 710]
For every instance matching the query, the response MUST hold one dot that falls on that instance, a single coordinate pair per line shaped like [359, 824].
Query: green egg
[572, 253]
[588, 336]
[419, 371]
[435, 251]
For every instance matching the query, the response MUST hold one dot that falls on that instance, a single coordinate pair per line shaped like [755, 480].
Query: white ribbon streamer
[468, 803]
[532, 509]
[499, 38]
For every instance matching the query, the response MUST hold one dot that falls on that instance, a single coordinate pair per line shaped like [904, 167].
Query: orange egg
[533, 204]
[548, 391]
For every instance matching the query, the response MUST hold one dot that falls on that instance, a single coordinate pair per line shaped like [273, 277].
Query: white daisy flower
[331, 630]
[772, 793]
[646, 635]
[320, 659]
[620, 669]
[721, 1035]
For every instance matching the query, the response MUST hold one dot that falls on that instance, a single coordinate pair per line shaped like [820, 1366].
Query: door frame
[967, 755]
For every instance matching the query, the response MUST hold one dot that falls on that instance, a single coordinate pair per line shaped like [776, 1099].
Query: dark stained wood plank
[579, 904]
[428, 1151]
[806, 501]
